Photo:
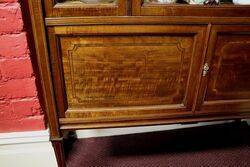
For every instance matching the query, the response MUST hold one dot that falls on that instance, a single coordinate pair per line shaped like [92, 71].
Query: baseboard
[143, 129]
[29, 149]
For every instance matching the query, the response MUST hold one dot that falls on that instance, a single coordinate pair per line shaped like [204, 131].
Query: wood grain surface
[69, 8]
[130, 63]
[126, 70]
[228, 82]
[115, 71]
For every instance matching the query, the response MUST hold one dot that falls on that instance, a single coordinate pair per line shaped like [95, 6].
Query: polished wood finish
[66, 8]
[140, 8]
[116, 71]
[44, 66]
[133, 64]
[57, 143]
[72, 124]
[228, 82]
[104, 72]
[142, 20]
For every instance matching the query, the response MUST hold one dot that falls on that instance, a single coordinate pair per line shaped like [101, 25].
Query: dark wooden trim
[203, 117]
[129, 29]
[46, 80]
[57, 72]
[109, 118]
[136, 7]
[199, 97]
[59, 151]
[56, 21]
[66, 8]
[44, 65]
[222, 10]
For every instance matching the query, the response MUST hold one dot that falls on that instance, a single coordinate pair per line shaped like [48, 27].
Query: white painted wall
[26, 149]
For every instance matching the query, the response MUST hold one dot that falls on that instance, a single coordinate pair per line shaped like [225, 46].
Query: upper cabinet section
[75, 8]
[85, 8]
[188, 8]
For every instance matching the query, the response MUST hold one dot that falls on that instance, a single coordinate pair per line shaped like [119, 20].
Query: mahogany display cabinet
[120, 63]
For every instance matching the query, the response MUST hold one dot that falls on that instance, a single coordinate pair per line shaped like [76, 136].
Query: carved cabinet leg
[59, 151]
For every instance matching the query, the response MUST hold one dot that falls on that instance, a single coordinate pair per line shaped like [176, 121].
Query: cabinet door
[70, 8]
[226, 87]
[127, 72]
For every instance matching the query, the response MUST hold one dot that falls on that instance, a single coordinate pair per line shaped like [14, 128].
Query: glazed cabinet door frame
[107, 116]
[64, 8]
[211, 100]
[142, 8]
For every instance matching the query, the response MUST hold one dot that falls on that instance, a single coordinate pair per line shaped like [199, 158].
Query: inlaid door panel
[129, 72]
[70, 8]
[123, 71]
[228, 82]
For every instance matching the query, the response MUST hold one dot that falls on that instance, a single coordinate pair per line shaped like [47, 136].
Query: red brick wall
[20, 108]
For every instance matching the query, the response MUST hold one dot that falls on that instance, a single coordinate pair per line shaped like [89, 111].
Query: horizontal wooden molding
[55, 21]
[95, 125]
